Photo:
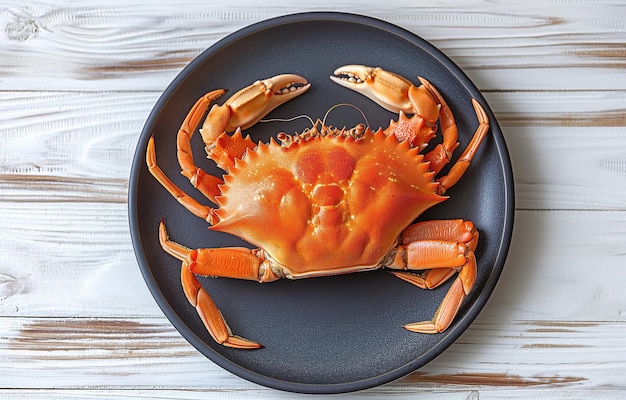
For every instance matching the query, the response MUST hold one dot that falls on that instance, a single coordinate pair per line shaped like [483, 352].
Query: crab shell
[326, 205]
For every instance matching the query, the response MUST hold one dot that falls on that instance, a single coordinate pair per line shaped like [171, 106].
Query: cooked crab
[319, 189]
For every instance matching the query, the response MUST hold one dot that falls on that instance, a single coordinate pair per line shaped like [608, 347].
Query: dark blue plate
[322, 335]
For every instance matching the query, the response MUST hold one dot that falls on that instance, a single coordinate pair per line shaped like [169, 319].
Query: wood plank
[562, 265]
[143, 46]
[379, 393]
[76, 267]
[564, 108]
[69, 259]
[82, 164]
[77, 81]
[564, 168]
[83, 150]
[97, 354]
[69, 142]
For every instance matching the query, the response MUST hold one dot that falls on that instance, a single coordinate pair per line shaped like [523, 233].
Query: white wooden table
[78, 80]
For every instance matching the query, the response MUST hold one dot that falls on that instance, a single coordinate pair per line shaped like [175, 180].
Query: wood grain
[77, 82]
[142, 45]
[75, 268]
[109, 353]
[83, 151]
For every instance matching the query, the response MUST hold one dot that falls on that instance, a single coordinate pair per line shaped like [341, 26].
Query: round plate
[331, 334]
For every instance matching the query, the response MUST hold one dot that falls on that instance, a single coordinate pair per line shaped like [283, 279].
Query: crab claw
[252, 103]
[387, 89]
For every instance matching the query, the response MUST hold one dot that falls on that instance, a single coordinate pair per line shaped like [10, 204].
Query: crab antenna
[289, 119]
[343, 105]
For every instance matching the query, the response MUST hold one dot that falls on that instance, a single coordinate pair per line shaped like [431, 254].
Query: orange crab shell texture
[328, 204]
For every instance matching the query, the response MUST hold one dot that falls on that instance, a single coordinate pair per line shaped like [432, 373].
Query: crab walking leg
[441, 248]
[451, 303]
[240, 263]
[191, 204]
[457, 230]
[437, 259]
[205, 183]
[209, 313]
[462, 164]
[442, 153]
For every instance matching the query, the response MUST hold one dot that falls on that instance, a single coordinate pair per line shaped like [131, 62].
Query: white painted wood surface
[77, 81]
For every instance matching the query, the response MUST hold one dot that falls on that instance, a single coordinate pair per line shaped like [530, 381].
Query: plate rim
[321, 388]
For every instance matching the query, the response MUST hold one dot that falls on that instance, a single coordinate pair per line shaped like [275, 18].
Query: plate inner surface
[325, 334]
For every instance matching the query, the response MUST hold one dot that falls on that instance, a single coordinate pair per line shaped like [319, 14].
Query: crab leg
[460, 166]
[191, 204]
[451, 303]
[441, 248]
[454, 231]
[205, 183]
[457, 230]
[442, 153]
[225, 262]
